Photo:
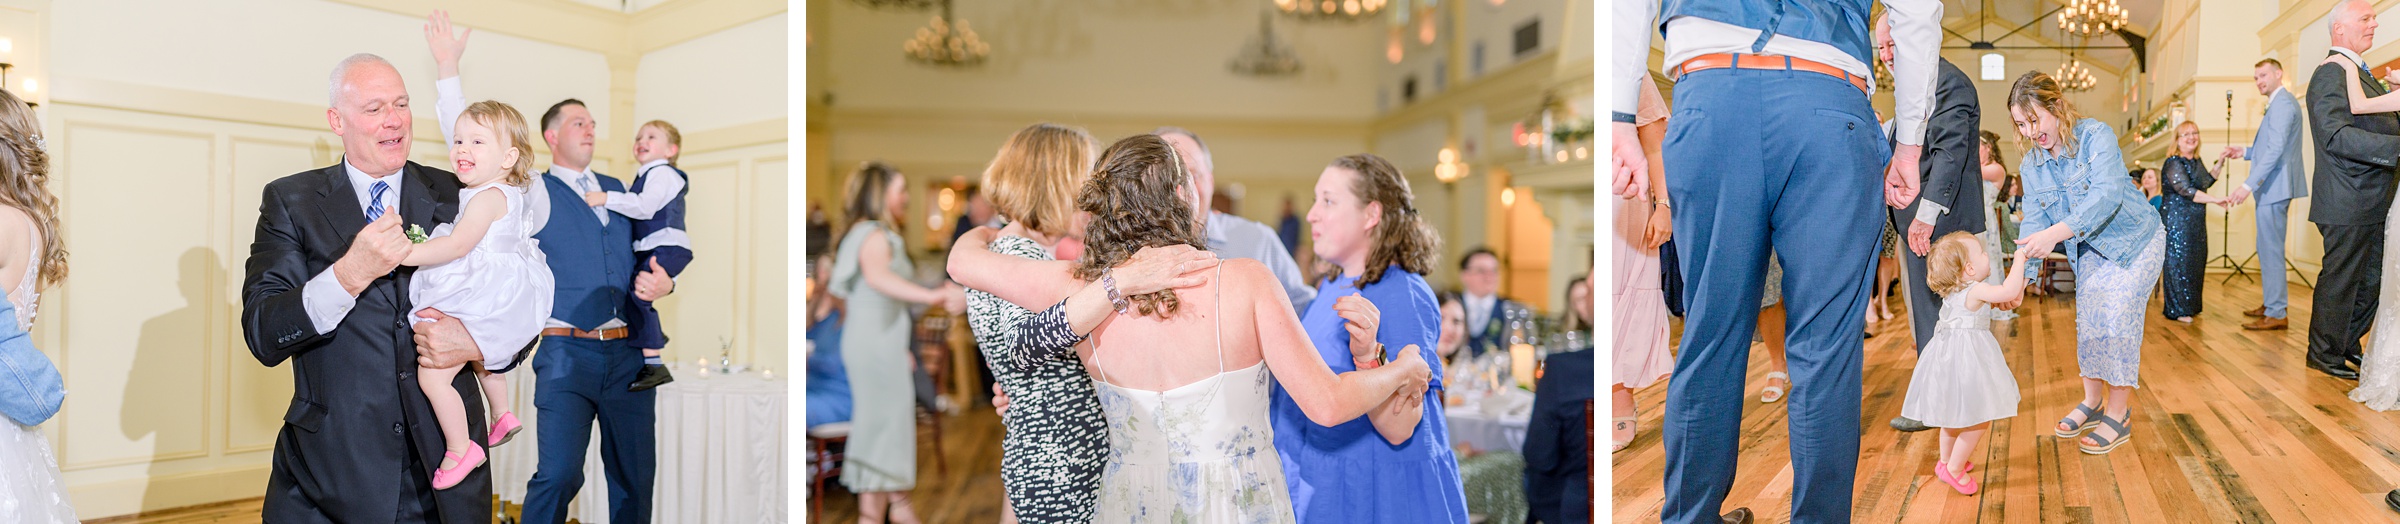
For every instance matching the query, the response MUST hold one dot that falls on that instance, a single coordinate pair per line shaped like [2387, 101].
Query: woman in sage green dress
[871, 271]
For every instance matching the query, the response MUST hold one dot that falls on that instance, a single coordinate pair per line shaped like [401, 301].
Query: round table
[721, 442]
[1487, 432]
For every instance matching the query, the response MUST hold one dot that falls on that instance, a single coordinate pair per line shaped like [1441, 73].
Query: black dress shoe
[653, 375]
[1742, 515]
[2392, 499]
[2337, 370]
[1908, 425]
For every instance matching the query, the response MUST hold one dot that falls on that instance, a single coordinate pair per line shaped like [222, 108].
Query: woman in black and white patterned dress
[1056, 438]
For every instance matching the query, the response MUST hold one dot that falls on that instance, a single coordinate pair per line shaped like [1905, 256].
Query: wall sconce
[1508, 197]
[948, 199]
[1447, 167]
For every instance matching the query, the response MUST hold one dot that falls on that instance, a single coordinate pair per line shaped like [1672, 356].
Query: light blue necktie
[375, 199]
[600, 212]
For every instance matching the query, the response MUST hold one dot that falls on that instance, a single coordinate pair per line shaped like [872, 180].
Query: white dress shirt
[662, 184]
[450, 101]
[1916, 31]
[1927, 210]
[2354, 59]
[323, 297]
[1479, 311]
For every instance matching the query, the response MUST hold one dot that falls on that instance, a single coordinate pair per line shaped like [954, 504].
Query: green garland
[2155, 126]
[1573, 132]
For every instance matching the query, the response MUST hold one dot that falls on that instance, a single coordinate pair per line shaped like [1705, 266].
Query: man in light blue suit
[2277, 177]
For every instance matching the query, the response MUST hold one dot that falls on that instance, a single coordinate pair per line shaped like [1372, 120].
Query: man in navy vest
[583, 362]
[1773, 146]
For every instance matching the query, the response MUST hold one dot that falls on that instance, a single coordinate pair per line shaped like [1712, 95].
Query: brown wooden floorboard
[2228, 426]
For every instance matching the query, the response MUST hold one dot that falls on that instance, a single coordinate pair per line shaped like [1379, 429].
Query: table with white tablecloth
[721, 442]
[1490, 425]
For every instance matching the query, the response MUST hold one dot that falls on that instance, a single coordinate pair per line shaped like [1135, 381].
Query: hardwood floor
[2228, 426]
[969, 492]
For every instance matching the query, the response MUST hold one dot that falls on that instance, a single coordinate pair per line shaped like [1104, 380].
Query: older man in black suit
[2355, 160]
[1951, 199]
[324, 290]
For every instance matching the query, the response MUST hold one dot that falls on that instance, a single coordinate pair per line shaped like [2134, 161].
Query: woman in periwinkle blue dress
[1391, 466]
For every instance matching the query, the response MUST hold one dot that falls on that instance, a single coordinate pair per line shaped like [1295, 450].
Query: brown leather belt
[605, 334]
[1778, 62]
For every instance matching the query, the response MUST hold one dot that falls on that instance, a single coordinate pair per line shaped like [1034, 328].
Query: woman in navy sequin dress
[2184, 213]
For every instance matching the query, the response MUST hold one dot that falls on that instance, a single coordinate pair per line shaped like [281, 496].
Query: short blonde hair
[506, 122]
[1946, 265]
[1035, 177]
[674, 137]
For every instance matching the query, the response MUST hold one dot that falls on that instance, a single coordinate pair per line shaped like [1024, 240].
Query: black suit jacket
[1558, 440]
[358, 417]
[2355, 153]
[1951, 168]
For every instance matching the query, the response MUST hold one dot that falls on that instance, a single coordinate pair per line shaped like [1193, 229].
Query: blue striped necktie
[375, 199]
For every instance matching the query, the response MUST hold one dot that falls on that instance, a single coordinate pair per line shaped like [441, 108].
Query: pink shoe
[446, 477]
[1964, 484]
[505, 428]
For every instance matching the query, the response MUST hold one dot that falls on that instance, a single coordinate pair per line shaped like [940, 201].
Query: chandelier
[943, 44]
[1266, 55]
[2089, 18]
[2073, 77]
[1336, 10]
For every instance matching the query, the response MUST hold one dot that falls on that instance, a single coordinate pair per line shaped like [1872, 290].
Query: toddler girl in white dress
[1962, 383]
[487, 272]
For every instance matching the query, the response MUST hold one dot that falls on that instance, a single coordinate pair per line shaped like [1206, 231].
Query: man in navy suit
[1487, 312]
[584, 363]
[2276, 178]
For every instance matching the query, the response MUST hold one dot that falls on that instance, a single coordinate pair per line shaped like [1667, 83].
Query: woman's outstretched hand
[1159, 268]
[1362, 320]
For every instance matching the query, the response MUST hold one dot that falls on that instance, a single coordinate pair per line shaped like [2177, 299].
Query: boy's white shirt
[660, 189]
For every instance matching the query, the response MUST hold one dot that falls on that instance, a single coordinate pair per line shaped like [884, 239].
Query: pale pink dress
[1640, 309]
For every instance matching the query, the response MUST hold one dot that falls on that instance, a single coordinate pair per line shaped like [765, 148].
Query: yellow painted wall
[161, 145]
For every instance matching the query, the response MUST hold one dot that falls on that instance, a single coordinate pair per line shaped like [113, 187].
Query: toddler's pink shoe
[446, 477]
[504, 429]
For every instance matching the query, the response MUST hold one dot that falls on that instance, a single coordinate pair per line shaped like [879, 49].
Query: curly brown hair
[1134, 204]
[24, 173]
[1401, 237]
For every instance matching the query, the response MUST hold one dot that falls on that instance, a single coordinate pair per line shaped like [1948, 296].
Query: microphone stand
[2225, 234]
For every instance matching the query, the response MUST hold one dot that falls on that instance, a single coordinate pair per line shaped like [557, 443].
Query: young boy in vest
[655, 203]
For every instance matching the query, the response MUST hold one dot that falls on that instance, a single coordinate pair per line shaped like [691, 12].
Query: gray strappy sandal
[2091, 419]
[2107, 444]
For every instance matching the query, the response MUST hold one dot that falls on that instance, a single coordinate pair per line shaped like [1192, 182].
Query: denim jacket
[30, 387]
[2090, 193]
